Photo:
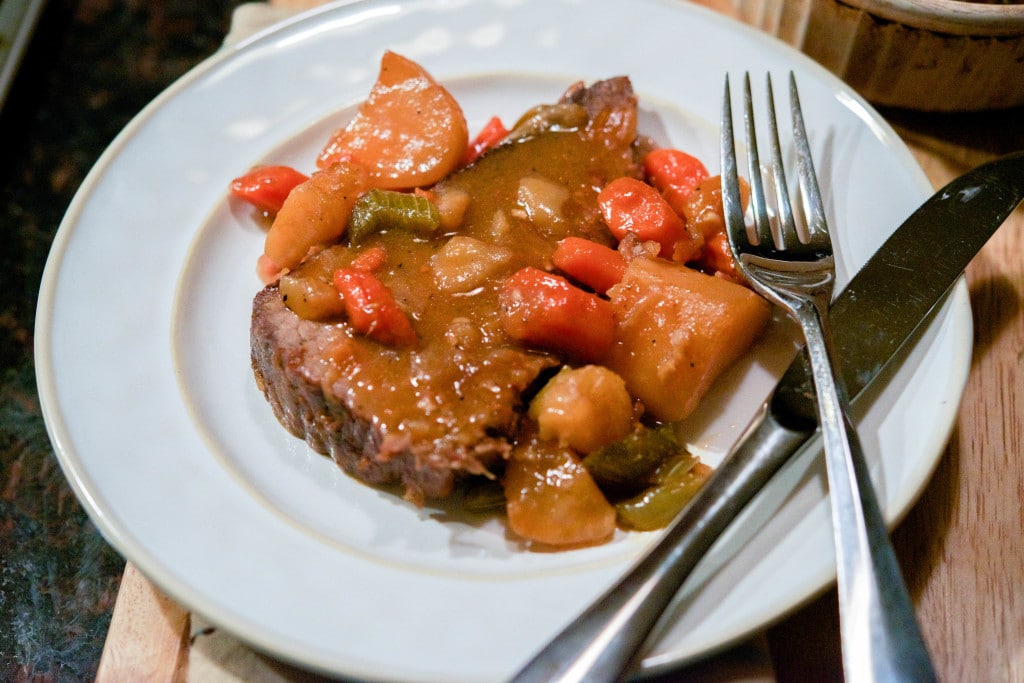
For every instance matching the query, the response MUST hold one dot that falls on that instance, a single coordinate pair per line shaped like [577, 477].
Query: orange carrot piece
[629, 205]
[595, 265]
[717, 258]
[674, 173]
[372, 309]
[266, 187]
[547, 311]
[491, 134]
[371, 259]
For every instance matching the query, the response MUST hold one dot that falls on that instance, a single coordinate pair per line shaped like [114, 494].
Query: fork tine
[814, 209]
[787, 223]
[732, 204]
[762, 222]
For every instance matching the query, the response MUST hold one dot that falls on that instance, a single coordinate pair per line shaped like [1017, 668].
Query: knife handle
[604, 640]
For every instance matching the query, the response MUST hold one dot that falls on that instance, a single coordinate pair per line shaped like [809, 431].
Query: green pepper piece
[656, 507]
[630, 465]
[384, 209]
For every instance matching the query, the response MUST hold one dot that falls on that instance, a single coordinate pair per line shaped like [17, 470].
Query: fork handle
[604, 640]
[880, 634]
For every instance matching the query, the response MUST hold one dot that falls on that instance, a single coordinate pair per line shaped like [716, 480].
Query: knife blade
[879, 312]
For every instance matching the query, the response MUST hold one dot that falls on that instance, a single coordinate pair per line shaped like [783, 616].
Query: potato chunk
[465, 263]
[677, 331]
[552, 499]
[409, 132]
[315, 213]
[583, 408]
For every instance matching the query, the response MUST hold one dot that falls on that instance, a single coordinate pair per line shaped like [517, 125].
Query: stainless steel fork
[881, 640]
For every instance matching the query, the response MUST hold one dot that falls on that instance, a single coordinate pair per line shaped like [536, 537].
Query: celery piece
[379, 210]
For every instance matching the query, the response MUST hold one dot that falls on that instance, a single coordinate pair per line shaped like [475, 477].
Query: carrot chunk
[629, 205]
[370, 259]
[266, 187]
[674, 173]
[372, 309]
[490, 135]
[547, 311]
[595, 265]
[717, 258]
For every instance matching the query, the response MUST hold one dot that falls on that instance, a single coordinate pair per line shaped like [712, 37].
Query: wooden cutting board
[148, 636]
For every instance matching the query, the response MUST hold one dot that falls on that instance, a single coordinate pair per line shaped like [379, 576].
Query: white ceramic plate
[143, 357]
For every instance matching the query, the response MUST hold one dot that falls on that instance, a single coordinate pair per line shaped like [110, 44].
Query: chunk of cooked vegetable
[560, 116]
[390, 210]
[632, 206]
[674, 173]
[677, 331]
[410, 131]
[631, 464]
[490, 135]
[266, 187]
[552, 499]
[309, 289]
[656, 507]
[541, 201]
[717, 259]
[702, 208]
[372, 309]
[315, 214]
[451, 204]
[465, 263]
[583, 408]
[595, 265]
[370, 259]
[548, 312]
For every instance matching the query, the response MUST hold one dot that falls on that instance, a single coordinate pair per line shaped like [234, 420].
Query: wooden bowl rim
[949, 16]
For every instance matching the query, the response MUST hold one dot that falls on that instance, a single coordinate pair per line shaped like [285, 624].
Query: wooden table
[961, 547]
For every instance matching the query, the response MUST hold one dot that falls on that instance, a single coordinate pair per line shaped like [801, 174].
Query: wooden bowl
[933, 55]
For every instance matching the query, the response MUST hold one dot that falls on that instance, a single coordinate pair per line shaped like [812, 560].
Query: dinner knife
[873, 318]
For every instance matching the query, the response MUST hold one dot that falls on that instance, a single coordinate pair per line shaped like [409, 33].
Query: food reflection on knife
[518, 320]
